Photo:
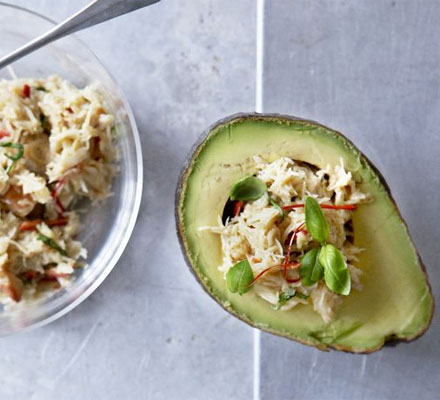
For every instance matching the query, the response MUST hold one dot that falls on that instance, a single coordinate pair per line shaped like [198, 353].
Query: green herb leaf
[51, 243]
[9, 169]
[248, 188]
[278, 207]
[14, 157]
[284, 297]
[41, 88]
[239, 277]
[336, 274]
[18, 146]
[288, 294]
[302, 296]
[311, 270]
[316, 223]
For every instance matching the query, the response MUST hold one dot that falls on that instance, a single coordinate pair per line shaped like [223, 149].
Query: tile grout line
[258, 108]
[259, 57]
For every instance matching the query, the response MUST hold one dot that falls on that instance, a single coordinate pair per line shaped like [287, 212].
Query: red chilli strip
[237, 207]
[289, 249]
[293, 280]
[32, 225]
[61, 182]
[289, 236]
[327, 206]
[60, 205]
[265, 271]
[55, 192]
[26, 90]
[58, 187]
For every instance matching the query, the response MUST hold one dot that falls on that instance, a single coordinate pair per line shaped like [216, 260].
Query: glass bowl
[108, 226]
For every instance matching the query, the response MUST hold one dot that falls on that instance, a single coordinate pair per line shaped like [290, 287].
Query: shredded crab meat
[257, 235]
[69, 154]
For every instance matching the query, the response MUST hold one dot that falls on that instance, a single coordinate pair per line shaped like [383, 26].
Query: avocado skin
[389, 341]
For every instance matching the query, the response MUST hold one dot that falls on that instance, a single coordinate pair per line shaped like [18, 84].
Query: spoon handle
[96, 12]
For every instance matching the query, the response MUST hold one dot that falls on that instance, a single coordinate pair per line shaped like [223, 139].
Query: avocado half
[396, 302]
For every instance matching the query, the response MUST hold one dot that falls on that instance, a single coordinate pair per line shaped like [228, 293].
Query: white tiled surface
[368, 68]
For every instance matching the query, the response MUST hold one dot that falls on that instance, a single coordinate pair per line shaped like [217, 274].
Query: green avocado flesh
[396, 301]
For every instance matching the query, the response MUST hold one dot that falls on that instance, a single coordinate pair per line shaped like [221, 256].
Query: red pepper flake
[4, 134]
[326, 206]
[289, 249]
[237, 207]
[32, 225]
[26, 90]
[31, 274]
[69, 110]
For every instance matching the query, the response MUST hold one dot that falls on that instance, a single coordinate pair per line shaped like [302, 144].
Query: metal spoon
[96, 12]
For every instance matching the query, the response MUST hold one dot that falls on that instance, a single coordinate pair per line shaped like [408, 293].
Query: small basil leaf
[248, 188]
[239, 277]
[336, 274]
[278, 207]
[316, 223]
[311, 270]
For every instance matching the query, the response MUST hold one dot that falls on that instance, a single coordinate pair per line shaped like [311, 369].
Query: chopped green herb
[278, 207]
[51, 243]
[18, 146]
[239, 277]
[14, 157]
[41, 88]
[285, 296]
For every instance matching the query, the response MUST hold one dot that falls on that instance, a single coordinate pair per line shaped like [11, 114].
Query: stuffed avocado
[386, 297]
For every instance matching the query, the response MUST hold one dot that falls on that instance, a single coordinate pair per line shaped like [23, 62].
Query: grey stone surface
[150, 332]
[371, 70]
[367, 68]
